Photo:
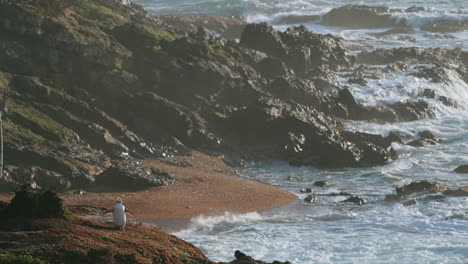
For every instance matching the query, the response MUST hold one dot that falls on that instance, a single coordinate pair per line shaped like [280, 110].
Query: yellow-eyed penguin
[120, 219]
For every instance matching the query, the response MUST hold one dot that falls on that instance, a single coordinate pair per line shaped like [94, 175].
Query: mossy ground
[77, 240]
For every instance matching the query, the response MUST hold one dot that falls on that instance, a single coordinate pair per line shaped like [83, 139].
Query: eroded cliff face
[105, 84]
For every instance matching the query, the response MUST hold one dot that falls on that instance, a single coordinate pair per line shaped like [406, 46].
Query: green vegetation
[35, 116]
[102, 15]
[21, 259]
[11, 130]
[110, 239]
[159, 33]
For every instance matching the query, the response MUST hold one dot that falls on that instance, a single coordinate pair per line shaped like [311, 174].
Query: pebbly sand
[200, 190]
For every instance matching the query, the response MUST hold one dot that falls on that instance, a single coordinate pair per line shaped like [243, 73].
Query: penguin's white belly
[120, 218]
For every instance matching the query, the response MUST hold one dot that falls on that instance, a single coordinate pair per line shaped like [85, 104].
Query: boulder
[361, 16]
[461, 169]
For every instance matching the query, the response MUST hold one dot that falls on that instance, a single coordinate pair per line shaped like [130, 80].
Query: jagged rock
[415, 187]
[264, 38]
[361, 16]
[355, 200]
[461, 169]
[28, 203]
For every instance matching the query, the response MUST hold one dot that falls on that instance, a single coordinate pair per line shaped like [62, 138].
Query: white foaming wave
[208, 223]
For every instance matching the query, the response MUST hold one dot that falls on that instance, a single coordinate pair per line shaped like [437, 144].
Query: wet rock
[355, 200]
[426, 139]
[299, 48]
[310, 198]
[338, 194]
[306, 190]
[242, 258]
[415, 187]
[462, 191]
[321, 183]
[446, 26]
[398, 137]
[361, 16]
[131, 177]
[462, 169]
[429, 93]
[360, 81]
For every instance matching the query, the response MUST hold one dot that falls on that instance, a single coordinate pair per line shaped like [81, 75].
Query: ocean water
[434, 230]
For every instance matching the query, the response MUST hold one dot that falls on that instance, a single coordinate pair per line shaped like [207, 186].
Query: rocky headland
[94, 89]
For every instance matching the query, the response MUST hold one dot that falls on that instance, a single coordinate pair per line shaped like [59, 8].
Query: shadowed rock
[242, 258]
[415, 187]
[30, 204]
[361, 16]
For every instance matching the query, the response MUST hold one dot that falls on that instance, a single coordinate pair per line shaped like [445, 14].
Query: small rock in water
[355, 200]
[310, 198]
[307, 190]
[321, 183]
[462, 169]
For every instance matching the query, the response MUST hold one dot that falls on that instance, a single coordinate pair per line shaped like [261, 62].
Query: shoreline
[201, 190]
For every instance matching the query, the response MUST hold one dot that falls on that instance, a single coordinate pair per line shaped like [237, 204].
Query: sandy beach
[202, 189]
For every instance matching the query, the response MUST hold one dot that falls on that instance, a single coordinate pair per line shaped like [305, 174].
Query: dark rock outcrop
[361, 16]
[31, 204]
[321, 183]
[242, 258]
[107, 83]
[415, 187]
[462, 169]
[426, 138]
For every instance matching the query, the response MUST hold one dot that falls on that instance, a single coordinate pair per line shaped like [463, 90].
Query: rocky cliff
[94, 88]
